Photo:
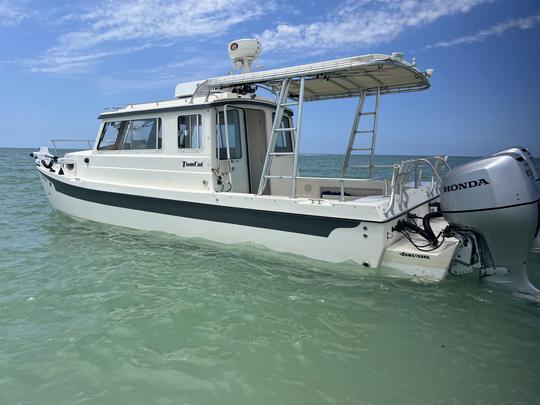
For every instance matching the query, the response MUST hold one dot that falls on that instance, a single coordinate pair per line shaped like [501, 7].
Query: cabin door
[237, 149]
[256, 145]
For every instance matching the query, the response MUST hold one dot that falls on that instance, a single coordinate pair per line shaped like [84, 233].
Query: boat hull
[331, 239]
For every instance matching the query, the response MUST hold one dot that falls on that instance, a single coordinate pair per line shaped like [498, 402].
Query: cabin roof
[337, 78]
[184, 104]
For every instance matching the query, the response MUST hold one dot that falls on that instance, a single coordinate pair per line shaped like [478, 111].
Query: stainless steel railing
[401, 180]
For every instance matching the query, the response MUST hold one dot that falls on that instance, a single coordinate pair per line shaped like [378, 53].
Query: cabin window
[131, 135]
[189, 131]
[233, 128]
[284, 139]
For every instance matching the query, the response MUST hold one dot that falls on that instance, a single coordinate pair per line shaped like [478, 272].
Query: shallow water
[96, 314]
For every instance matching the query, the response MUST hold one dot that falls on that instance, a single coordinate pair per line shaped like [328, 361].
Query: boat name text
[467, 184]
[415, 255]
[192, 164]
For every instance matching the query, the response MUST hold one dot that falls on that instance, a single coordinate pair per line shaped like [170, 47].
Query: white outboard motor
[494, 203]
[527, 155]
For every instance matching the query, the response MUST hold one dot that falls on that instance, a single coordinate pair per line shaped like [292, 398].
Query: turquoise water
[96, 314]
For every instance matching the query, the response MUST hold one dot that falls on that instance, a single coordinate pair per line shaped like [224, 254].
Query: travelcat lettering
[192, 164]
[415, 255]
[463, 186]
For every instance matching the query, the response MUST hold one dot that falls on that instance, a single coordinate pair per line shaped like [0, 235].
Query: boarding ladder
[355, 130]
[295, 132]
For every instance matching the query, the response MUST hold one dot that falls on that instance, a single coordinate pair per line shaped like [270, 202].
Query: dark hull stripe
[280, 221]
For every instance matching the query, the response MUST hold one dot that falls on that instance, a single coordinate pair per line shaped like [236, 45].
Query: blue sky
[61, 63]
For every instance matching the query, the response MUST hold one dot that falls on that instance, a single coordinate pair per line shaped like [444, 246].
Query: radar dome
[243, 52]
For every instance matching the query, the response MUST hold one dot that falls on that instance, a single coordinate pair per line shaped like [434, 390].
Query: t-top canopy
[338, 78]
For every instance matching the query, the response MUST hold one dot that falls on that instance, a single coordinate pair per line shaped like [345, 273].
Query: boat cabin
[191, 143]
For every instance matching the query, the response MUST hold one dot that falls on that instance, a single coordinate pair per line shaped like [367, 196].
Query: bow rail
[88, 142]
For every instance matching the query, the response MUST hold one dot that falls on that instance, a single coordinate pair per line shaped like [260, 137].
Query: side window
[284, 139]
[233, 128]
[189, 131]
[113, 135]
[131, 135]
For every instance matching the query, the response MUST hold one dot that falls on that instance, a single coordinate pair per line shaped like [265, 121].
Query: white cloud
[111, 27]
[11, 14]
[497, 29]
[59, 62]
[362, 23]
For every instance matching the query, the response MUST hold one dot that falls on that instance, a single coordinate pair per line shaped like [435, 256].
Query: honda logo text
[466, 185]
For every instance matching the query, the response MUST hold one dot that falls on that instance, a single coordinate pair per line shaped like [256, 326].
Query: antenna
[243, 52]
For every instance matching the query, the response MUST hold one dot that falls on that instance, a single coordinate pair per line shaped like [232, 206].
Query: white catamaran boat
[220, 162]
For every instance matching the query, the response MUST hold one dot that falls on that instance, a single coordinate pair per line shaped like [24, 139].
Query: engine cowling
[496, 199]
[527, 155]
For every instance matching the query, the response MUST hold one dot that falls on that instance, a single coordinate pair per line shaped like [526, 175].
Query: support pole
[283, 94]
[375, 124]
[297, 136]
[352, 136]
[229, 163]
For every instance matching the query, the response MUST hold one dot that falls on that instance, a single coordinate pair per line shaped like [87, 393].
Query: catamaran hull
[335, 240]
